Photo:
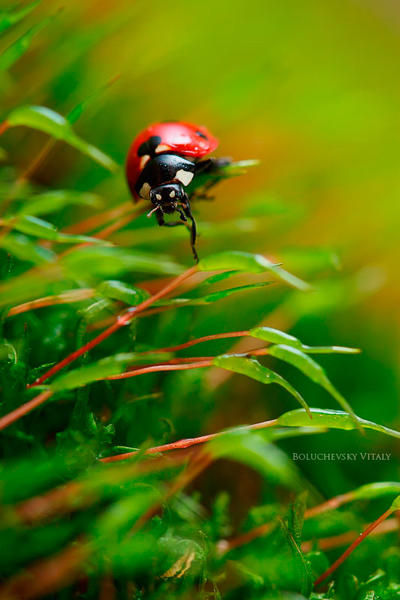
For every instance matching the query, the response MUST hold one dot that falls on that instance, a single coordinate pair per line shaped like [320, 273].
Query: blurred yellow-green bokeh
[311, 88]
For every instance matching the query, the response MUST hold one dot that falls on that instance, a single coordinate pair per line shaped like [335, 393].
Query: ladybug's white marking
[162, 148]
[184, 177]
[145, 191]
[172, 194]
[144, 159]
[158, 196]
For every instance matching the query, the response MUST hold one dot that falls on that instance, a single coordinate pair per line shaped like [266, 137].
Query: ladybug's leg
[204, 166]
[202, 193]
[210, 165]
[193, 230]
[160, 218]
[182, 214]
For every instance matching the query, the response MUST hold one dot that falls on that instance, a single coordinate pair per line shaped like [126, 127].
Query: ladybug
[162, 161]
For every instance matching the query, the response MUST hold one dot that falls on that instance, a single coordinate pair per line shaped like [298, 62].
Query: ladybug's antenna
[153, 211]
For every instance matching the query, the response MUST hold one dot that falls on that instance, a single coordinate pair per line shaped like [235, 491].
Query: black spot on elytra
[202, 135]
[149, 146]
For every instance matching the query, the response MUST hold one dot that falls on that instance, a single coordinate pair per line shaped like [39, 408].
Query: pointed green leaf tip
[395, 504]
[210, 298]
[311, 369]
[251, 263]
[47, 120]
[375, 490]
[334, 419]
[253, 369]
[275, 336]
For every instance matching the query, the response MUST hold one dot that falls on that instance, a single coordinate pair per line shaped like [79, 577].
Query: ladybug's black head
[167, 196]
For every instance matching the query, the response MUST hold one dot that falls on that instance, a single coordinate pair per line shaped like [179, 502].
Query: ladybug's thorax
[165, 168]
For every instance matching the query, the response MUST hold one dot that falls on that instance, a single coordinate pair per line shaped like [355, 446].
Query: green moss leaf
[251, 448]
[101, 261]
[23, 248]
[311, 369]
[47, 120]
[251, 263]
[210, 298]
[121, 515]
[375, 490]
[46, 231]
[253, 369]
[332, 419]
[118, 290]
[111, 365]
[55, 200]
[395, 504]
[275, 336]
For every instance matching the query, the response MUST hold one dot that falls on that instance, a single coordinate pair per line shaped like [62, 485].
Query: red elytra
[179, 137]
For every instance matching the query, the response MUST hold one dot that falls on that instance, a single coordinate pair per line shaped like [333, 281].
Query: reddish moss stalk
[200, 340]
[331, 504]
[65, 298]
[75, 495]
[353, 546]
[179, 364]
[4, 126]
[163, 367]
[122, 320]
[261, 530]
[104, 233]
[342, 539]
[48, 575]
[21, 411]
[185, 443]
[98, 220]
[197, 465]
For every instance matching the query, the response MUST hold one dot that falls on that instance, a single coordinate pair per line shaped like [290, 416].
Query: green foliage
[47, 120]
[83, 300]
[274, 336]
[252, 368]
[250, 263]
[46, 231]
[331, 418]
[310, 368]
[11, 17]
[55, 200]
[18, 48]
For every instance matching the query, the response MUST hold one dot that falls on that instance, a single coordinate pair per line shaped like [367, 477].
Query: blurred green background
[312, 90]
